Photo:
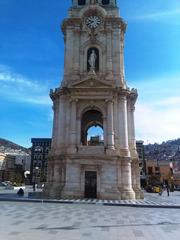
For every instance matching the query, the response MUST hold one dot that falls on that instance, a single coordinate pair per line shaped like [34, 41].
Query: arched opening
[92, 128]
[93, 59]
[95, 136]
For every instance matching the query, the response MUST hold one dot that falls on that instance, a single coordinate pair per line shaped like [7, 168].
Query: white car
[7, 185]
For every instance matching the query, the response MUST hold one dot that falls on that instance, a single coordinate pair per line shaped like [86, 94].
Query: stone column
[122, 56]
[132, 143]
[68, 61]
[109, 51]
[61, 122]
[116, 56]
[116, 130]
[50, 172]
[123, 128]
[68, 117]
[105, 131]
[79, 131]
[136, 178]
[110, 127]
[56, 187]
[131, 129]
[126, 181]
[55, 126]
[77, 51]
[73, 125]
[57, 176]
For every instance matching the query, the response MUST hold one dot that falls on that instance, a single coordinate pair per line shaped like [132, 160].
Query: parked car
[2, 184]
[153, 189]
[177, 188]
[7, 185]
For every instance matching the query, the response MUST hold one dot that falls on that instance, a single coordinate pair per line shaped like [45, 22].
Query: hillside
[7, 146]
[169, 150]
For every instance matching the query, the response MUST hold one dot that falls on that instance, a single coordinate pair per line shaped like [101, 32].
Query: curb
[138, 205]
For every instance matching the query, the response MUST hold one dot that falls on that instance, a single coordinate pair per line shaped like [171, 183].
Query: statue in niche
[92, 60]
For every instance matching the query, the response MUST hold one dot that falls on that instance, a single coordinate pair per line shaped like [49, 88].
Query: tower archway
[91, 118]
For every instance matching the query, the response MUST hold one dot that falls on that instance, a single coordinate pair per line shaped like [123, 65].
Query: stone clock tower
[93, 92]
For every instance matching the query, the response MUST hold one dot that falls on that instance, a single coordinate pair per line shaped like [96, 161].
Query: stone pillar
[105, 131]
[126, 181]
[77, 51]
[116, 130]
[55, 190]
[136, 178]
[50, 172]
[68, 117]
[61, 122]
[132, 143]
[55, 124]
[122, 56]
[116, 56]
[68, 61]
[109, 51]
[126, 176]
[110, 127]
[131, 129]
[79, 131]
[73, 125]
[123, 128]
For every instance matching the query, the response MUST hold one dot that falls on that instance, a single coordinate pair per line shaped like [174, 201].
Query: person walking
[167, 188]
[161, 189]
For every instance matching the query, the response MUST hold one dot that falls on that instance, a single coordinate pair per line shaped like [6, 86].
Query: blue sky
[31, 62]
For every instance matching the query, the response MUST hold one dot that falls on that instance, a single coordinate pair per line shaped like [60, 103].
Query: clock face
[93, 22]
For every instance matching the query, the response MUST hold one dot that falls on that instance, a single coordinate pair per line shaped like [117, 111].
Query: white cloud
[157, 115]
[16, 87]
[170, 101]
[157, 125]
[167, 15]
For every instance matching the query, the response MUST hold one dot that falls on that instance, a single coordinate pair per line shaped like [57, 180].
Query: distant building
[9, 170]
[2, 166]
[159, 171]
[24, 160]
[176, 167]
[95, 141]
[39, 153]
[142, 162]
[21, 158]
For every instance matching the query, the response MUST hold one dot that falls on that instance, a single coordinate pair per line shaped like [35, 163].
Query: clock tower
[93, 92]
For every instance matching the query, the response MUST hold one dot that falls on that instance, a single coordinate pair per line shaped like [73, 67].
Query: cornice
[71, 22]
[54, 94]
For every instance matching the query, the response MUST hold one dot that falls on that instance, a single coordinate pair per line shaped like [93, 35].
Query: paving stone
[49, 221]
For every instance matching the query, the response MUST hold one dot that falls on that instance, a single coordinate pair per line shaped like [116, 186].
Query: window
[81, 2]
[47, 150]
[38, 149]
[157, 170]
[105, 2]
[150, 170]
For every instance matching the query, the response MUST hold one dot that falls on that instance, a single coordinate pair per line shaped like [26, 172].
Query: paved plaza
[34, 221]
